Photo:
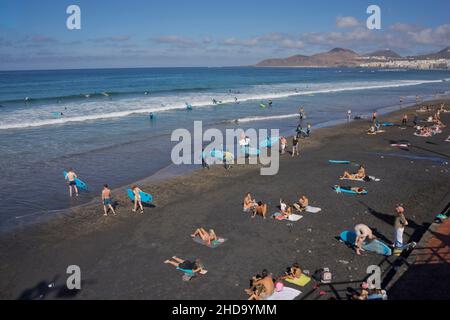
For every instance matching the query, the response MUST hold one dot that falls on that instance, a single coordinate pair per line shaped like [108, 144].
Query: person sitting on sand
[137, 198]
[294, 272]
[372, 130]
[106, 200]
[249, 203]
[207, 237]
[303, 203]
[260, 209]
[362, 233]
[363, 294]
[186, 265]
[360, 174]
[266, 281]
[285, 210]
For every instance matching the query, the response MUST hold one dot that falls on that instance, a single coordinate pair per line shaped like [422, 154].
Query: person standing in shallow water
[71, 176]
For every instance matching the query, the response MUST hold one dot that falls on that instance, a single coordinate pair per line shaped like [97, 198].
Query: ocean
[97, 121]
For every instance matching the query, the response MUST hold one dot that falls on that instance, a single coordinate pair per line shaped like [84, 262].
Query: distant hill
[384, 53]
[443, 54]
[337, 57]
[340, 57]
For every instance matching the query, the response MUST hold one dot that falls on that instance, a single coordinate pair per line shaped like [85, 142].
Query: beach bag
[325, 275]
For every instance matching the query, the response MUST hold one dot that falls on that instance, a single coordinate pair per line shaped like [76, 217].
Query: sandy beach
[122, 257]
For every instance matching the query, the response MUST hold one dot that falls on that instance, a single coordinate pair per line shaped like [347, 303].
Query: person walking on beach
[107, 201]
[137, 198]
[349, 115]
[205, 165]
[71, 176]
[283, 144]
[295, 146]
[374, 117]
[301, 113]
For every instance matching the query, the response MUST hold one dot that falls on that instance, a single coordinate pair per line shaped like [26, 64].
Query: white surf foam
[93, 111]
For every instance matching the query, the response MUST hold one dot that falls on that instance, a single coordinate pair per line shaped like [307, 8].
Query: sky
[175, 33]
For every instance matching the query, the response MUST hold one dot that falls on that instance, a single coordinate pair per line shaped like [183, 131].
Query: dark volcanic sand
[122, 257]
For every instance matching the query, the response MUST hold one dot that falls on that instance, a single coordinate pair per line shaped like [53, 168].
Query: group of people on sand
[106, 196]
[264, 285]
[435, 125]
[258, 208]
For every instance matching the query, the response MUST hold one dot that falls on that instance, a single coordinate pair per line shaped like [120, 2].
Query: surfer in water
[106, 200]
[362, 233]
[71, 176]
[137, 198]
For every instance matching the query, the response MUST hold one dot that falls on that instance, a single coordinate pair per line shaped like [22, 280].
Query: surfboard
[269, 142]
[340, 190]
[387, 124]
[375, 246]
[80, 184]
[145, 197]
[339, 161]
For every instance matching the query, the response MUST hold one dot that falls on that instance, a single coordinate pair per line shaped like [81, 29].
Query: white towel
[286, 294]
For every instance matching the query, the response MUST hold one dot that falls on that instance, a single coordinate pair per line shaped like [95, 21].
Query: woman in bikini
[360, 174]
[207, 237]
[249, 203]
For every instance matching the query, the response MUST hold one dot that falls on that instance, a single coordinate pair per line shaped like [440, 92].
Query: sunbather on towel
[303, 203]
[294, 272]
[266, 281]
[207, 237]
[249, 203]
[186, 265]
[285, 210]
[362, 233]
[358, 190]
[360, 174]
[260, 209]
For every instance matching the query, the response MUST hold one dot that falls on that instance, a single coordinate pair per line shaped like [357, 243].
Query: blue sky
[138, 33]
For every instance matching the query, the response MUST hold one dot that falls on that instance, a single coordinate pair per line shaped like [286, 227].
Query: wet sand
[122, 257]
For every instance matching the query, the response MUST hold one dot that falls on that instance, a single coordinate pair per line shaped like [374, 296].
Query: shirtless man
[260, 209]
[249, 203]
[362, 233]
[71, 176]
[267, 282]
[137, 199]
[303, 202]
[285, 210]
[360, 174]
[106, 200]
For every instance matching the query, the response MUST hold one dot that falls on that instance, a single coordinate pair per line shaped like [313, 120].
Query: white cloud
[347, 22]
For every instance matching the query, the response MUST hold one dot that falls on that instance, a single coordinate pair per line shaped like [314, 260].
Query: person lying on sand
[207, 237]
[260, 209]
[358, 190]
[362, 233]
[186, 265]
[267, 283]
[294, 272]
[360, 174]
[249, 203]
[303, 202]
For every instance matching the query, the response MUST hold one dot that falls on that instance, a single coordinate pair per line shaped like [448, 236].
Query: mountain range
[340, 57]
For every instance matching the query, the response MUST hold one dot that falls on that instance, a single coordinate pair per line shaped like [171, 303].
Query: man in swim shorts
[362, 233]
[106, 200]
[71, 176]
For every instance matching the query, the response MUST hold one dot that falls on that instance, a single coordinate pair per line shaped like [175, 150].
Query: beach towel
[292, 217]
[301, 282]
[214, 244]
[313, 209]
[286, 294]
[343, 190]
